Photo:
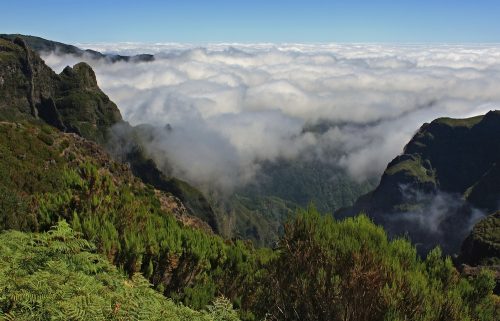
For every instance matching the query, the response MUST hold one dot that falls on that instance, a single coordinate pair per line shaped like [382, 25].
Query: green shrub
[46, 138]
[349, 270]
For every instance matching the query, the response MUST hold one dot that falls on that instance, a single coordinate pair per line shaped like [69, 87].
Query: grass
[413, 166]
[463, 122]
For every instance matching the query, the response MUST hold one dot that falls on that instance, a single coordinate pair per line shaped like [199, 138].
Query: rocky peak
[80, 76]
[70, 101]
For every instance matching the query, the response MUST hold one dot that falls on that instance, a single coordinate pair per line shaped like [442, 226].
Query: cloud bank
[232, 106]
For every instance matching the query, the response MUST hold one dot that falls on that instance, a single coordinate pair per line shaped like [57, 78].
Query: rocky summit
[70, 101]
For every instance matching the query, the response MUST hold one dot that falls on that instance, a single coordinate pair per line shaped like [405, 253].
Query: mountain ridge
[41, 45]
[73, 102]
[455, 156]
[443, 190]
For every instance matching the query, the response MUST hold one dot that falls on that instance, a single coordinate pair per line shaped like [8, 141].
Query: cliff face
[445, 179]
[24, 80]
[70, 101]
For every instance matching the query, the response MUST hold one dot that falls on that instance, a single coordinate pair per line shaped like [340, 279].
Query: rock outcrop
[70, 101]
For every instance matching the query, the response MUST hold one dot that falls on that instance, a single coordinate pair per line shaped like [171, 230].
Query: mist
[231, 107]
[433, 219]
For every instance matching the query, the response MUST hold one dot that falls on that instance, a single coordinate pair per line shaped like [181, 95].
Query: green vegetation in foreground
[349, 270]
[322, 269]
[58, 276]
[63, 176]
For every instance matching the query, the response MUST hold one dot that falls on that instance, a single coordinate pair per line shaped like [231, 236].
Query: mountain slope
[444, 181]
[73, 102]
[47, 176]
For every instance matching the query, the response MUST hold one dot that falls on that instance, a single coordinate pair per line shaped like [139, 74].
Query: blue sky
[254, 21]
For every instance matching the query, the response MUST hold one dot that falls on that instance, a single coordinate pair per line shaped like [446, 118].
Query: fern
[55, 276]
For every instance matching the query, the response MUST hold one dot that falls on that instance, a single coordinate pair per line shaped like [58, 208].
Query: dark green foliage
[485, 193]
[57, 276]
[259, 210]
[73, 179]
[29, 163]
[259, 219]
[307, 181]
[482, 246]
[349, 270]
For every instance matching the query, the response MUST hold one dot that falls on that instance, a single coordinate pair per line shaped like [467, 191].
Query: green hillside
[258, 210]
[447, 174]
[73, 102]
[48, 176]
[131, 226]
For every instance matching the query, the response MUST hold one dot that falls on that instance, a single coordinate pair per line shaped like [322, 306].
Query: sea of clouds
[232, 106]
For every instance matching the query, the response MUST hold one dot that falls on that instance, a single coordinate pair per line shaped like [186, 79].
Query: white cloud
[234, 105]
